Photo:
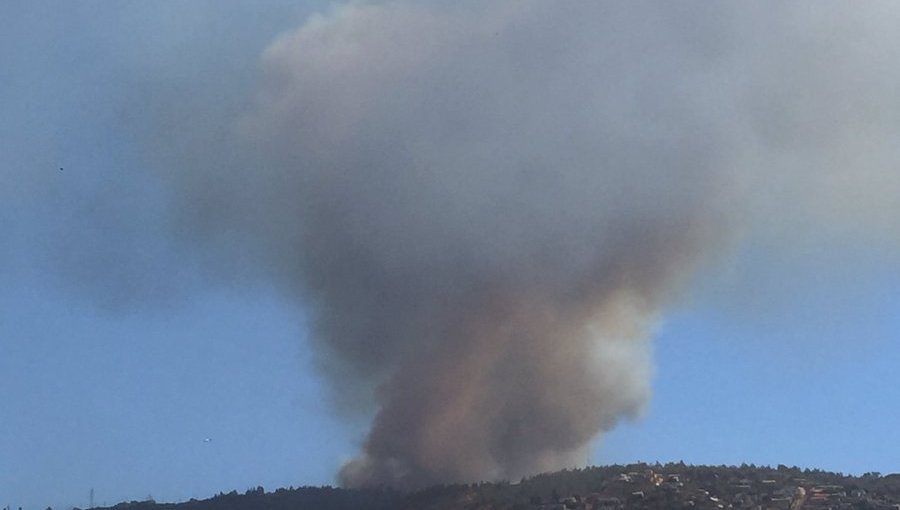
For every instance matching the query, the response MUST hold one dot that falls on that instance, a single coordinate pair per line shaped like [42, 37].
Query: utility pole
[92, 498]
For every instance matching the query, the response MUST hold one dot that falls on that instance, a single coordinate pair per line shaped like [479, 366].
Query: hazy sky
[124, 346]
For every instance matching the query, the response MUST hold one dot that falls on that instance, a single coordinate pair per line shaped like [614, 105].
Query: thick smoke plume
[486, 205]
[485, 228]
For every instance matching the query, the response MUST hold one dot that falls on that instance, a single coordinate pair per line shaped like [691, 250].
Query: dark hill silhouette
[674, 486]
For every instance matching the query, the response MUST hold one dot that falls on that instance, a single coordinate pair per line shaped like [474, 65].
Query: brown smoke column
[484, 228]
[485, 205]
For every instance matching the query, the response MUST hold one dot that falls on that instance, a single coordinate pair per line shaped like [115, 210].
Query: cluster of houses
[651, 490]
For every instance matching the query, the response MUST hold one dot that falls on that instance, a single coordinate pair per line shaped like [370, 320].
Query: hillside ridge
[672, 486]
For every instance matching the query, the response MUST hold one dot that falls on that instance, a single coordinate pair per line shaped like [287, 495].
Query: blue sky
[118, 358]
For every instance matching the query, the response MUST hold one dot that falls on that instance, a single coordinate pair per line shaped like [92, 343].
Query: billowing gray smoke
[485, 205]
[483, 224]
